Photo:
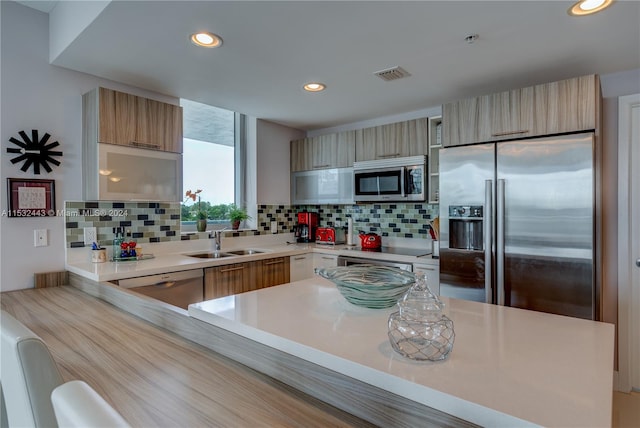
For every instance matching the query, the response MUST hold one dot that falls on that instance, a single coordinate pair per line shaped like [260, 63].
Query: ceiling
[271, 49]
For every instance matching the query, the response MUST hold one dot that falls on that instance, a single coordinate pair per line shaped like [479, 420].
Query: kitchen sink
[244, 252]
[211, 255]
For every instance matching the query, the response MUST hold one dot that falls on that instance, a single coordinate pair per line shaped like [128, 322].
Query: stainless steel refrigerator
[517, 224]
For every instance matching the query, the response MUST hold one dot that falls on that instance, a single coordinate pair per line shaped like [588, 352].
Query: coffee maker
[305, 230]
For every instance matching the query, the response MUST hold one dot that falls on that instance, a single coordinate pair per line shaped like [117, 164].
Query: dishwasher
[176, 288]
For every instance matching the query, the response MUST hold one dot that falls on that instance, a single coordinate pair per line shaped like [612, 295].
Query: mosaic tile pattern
[160, 221]
[396, 220]
[143, 221]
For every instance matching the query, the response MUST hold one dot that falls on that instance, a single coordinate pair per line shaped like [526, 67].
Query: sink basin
[244, 252]
[210, 255]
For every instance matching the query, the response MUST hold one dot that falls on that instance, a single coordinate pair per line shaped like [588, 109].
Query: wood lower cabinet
[236, 278]
[570, 105]
[400, 139]
[116, 117]
[226, 280]
[274, 272]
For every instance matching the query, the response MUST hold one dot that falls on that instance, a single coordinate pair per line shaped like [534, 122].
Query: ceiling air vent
[392, 73]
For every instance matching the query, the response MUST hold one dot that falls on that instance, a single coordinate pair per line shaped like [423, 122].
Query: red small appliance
[305, 230]
[370, 241]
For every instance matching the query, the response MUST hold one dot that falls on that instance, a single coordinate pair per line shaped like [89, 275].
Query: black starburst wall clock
[34, 151]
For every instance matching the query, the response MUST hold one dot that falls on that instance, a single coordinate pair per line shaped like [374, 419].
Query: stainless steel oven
[397, 179]
[348, 261]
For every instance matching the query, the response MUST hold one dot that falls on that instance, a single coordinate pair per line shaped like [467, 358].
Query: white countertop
[509, 367]
[164, 262]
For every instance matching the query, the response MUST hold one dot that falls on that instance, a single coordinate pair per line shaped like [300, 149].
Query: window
[210, 149]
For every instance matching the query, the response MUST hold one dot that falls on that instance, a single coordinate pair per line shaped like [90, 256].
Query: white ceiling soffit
[45, 6]
[272, 48]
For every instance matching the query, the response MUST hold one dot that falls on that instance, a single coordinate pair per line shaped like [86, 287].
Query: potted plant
[201, 215]
[237, 215]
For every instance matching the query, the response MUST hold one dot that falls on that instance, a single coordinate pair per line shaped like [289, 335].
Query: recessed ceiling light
[587, 7]
[314, 87]
[206, 40]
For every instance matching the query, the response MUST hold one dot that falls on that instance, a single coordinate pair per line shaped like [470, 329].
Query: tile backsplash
[393, 219]
[145, 221]
[160, 221]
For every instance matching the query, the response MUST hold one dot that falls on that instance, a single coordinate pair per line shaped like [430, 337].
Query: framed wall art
[31, 198]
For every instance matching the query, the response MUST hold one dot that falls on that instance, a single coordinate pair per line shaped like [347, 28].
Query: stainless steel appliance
[517, 224]
[397, 179]
[348, 261]
[176, 288]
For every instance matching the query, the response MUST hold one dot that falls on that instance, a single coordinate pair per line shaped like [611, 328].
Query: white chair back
[28, 375]
[77, 405]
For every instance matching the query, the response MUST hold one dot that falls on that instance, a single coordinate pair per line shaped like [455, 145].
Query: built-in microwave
[390, 180]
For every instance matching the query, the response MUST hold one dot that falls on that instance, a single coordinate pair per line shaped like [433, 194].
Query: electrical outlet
[274, 227]
[40, 238]
[90, 235]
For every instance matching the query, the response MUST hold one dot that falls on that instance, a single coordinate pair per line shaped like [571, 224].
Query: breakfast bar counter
[509, 367]
[155, 378]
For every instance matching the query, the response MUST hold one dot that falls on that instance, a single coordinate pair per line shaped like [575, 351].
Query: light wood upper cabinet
[173, 128]
[117, 117]
[408, 138]
[466, 121]
[512, 114]
[565, 106]
[129, 120]
[323, 152]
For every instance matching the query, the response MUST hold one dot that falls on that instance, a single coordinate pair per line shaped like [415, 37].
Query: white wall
[613, 86]
[273, 166]
[36, 95]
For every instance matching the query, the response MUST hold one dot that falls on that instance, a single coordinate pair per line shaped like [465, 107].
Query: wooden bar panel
[50, 279]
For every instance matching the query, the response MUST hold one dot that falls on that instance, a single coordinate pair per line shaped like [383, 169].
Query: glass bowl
[371, 286]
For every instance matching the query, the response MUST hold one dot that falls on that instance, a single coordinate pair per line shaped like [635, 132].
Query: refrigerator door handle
[488, 240]
[500, 241]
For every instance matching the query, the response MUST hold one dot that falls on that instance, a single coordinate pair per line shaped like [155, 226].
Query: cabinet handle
[328, 258]
[432, 269]
[146, 145]
[299, 258]
[275, 262]
[503, 134]
[393, 155]
[231, 269]
[322, 166]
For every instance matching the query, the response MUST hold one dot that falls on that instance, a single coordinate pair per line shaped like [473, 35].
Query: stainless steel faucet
[217, 235]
